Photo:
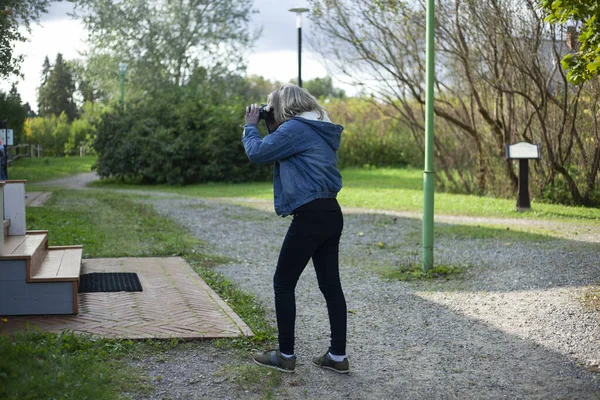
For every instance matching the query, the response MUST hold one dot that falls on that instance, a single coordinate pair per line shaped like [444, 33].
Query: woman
[306, 181]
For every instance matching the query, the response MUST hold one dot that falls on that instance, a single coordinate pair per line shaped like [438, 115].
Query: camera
[267, 115]
[264, 114]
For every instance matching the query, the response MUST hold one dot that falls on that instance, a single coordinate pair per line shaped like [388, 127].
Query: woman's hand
[252, 116]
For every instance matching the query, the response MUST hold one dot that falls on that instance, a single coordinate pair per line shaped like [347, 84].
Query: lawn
[385, 189]
[47, 168]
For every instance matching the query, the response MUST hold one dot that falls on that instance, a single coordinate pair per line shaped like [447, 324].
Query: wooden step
[25, 245]
[61, 264]
[31, 247]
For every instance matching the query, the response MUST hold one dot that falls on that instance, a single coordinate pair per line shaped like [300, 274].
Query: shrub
[372, 135]
[178, 135]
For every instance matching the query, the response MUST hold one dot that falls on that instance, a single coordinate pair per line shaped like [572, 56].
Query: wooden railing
[24, 150]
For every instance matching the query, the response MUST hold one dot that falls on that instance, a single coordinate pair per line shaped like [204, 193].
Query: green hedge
[178, 136]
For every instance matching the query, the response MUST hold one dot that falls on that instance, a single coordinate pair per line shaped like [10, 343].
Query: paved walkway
[175, 303]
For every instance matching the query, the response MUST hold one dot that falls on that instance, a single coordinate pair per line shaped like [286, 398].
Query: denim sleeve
[274, 147]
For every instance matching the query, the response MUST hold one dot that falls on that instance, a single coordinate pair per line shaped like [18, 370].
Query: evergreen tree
[13, 112]
[46, 68]
[55, 95]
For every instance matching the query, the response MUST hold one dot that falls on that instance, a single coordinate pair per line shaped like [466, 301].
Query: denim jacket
[304, 150]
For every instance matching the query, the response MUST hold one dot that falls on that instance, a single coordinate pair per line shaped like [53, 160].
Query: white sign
[3, 135]
[523, 150]
[9, 138]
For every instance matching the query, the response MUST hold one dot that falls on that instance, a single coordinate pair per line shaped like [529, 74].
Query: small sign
[9, 138]
[522, 150]
[3, 135]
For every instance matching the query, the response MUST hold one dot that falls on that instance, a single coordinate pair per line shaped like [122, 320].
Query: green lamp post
[122, 70]
[428, 173]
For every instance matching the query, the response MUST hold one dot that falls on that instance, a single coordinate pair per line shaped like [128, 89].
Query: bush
[59, 137]
[50, 132]
[371, 135]
[178, 135]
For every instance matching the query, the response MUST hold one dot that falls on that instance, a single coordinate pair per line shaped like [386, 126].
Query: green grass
[36, 170]
[109, 225]
[254, 379]
[469, 232]
[256, 190]
[591, 298]
[40, 365]
[401, 190]
[386, 189]
[113, 225]
[414, 272]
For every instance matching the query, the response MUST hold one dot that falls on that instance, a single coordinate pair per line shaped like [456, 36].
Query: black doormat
[109, 282]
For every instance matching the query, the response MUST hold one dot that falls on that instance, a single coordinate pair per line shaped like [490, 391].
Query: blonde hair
[291, 100]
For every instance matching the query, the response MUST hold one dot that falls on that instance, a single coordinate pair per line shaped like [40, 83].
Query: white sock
[337, 358]
[286, 355]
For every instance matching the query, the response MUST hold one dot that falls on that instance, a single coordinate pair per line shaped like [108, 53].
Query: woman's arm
[274, 147]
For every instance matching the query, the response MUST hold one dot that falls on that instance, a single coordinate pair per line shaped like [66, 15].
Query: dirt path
[78, 181]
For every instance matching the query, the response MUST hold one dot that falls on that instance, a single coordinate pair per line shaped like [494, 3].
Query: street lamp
[299, 11]
[122, 70]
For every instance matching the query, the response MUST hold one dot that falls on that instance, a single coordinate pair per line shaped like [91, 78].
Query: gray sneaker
[325, 361]
[274, 359]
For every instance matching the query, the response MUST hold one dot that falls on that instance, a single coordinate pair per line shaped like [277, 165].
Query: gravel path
[513, 327]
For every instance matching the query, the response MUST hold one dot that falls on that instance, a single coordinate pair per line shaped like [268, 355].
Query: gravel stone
[512, 327]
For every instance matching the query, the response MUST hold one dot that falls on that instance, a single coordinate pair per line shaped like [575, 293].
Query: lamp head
[299, 11]
[122, 67]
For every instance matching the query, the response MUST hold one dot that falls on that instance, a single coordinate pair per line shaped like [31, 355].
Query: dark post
[523, 152]
[299, 56]
[299, 11]
[523, 202]
[4, 166]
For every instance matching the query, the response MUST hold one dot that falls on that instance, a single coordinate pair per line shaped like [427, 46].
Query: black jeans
[316, 234]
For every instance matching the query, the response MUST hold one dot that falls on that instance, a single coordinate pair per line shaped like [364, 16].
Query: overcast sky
[57, 32]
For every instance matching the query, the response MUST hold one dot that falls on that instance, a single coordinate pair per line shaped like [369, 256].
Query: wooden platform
[36, 279]
[175, 303]
[60, 264]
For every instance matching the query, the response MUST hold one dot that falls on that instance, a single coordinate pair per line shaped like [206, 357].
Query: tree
[585, 14]
[498, 81]
[164, 41]
[13, 112]
[56, 93]
[259, 87]
[12, 14]
[323, 87]
[91, 87]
